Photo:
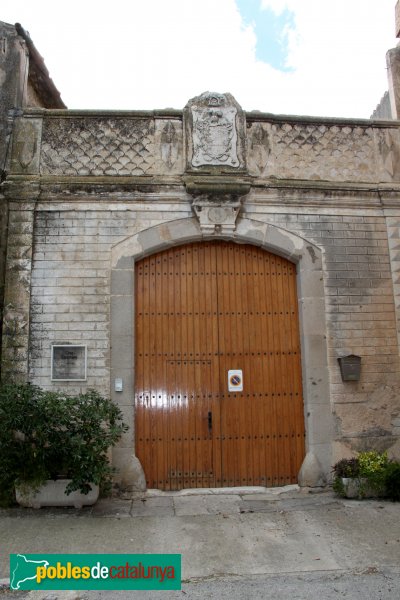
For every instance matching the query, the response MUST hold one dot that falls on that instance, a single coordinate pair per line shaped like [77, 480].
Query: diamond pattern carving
[320, 151]
[97, 146]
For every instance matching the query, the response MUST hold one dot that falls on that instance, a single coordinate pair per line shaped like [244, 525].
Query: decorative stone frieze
[98, 146]
[314, 151]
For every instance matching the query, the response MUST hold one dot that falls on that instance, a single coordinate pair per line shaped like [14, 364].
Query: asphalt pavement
[235, 543]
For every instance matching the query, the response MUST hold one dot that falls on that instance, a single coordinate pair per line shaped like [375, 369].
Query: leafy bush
[373, 467]
[392, 481]
[375, 473]
[347, 467]
[47, 435]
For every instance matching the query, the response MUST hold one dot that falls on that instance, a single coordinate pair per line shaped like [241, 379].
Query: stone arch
[311, 301]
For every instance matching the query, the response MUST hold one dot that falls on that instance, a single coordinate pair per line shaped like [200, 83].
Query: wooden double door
[204, 310]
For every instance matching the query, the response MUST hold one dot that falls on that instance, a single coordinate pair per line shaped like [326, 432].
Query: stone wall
[383, 109]
[120, 144]
[85, 184]
[12, 78]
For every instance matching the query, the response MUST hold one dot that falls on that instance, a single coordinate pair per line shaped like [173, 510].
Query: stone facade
[24, 81]
[89, 193]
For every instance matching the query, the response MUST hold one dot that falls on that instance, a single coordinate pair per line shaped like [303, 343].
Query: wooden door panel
[201, 310]
[189, 450]
[176, 371]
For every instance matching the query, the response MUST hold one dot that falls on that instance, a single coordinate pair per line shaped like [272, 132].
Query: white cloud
[130, 54]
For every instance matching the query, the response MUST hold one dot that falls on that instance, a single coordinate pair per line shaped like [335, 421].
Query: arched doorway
[202, 310]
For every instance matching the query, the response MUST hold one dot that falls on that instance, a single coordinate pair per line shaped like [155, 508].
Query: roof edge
[39, 75]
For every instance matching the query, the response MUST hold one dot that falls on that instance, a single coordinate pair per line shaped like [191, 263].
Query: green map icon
[24, 570]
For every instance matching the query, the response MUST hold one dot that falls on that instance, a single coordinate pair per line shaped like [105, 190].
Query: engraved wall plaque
[68, 363]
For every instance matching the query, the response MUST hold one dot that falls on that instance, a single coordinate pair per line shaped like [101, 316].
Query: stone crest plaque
[214, 131]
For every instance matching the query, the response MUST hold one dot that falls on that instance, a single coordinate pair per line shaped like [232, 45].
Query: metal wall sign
[235, 380]
[68, 362]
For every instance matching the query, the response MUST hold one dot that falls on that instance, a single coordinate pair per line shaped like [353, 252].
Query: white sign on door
[235, 380]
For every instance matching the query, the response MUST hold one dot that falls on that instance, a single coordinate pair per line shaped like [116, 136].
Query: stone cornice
[251, 117]
[168, 113]
[155, 189]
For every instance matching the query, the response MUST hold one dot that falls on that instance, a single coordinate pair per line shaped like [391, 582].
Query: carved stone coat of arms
[214, 132]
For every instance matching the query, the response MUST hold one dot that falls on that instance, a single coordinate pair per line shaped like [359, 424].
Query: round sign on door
[235, 380]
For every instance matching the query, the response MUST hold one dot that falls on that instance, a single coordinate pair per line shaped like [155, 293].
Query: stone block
[319, 423]
[311, 473]
[282, 242]
[125, 262]
[130, 473]
[316, 383]
[222, 504]
[152, 507]
[123, 252]
[314, 347]
[310, 284]
[26, 146]
[252, 231]
[312, 316]
[184, 230]
[122, 282]
[121, 315]
[122, 357]
[190, 506]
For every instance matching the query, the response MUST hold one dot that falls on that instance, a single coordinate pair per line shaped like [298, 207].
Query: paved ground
[282, 543]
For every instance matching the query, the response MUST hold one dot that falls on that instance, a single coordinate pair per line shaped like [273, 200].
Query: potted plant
[363, 476]
[346, 477]
[48, 436]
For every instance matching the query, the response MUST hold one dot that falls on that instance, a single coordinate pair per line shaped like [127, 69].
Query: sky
[304, 57]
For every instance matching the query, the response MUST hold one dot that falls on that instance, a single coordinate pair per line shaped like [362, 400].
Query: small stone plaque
[68, 363]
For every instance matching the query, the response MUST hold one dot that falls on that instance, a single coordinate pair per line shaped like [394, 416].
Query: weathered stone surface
[26, 146]
[311, 473]
[168, 142]
[215, 132]
[112, 190]
[98, 146]
[130, 474]
[342, 152]
[393, 66]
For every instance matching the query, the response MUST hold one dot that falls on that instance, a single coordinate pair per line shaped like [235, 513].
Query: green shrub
[373, 468]
[376, 475]
[392, 481]
[347, 467]
[47, 435]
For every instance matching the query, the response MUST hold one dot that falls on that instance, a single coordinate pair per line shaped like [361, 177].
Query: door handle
[209, 421]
